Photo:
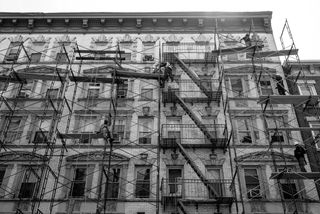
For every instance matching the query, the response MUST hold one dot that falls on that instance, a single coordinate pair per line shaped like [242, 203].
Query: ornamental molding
[97, 156]
[202, 39]
[266, 156]
[65, 39]
[17, 38]
[173, 38]
[149, 39]
[248, 69]
[102, 39]
[40, 39]
[18, 156]
[126, 39]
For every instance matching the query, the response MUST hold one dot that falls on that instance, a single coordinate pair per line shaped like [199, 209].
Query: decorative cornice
[188, 22]
[21, 156]
[264, 156]
[96, 156]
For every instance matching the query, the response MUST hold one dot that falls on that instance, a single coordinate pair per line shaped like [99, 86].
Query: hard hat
[296, 143]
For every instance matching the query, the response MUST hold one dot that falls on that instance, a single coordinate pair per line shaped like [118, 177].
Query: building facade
[206, 139]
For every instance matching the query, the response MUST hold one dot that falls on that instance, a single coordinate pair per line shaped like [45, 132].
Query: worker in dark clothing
[280, 86]
[166, 69]
[247, 40]
[104, 129]
[299, 154]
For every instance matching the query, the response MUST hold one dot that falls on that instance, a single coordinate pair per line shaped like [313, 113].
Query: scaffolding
[77, 92]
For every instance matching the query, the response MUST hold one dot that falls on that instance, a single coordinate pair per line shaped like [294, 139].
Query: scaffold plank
[101, 51]
[295, 175]
[294, 129]
[80, 136]
[131, 74]
[261, 54]
[289, 99]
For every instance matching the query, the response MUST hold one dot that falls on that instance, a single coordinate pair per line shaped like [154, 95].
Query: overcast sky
[303, 16]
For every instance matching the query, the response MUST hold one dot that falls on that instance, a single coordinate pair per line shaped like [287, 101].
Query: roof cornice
[150, 22]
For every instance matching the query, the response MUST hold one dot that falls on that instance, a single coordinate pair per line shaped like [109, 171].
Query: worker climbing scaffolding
[105, 131]
[246, 40]
[166, 69]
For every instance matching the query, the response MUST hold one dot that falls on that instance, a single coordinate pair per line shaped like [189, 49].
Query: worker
[247, 40]
[280, 85]
[166, 68]
[299, 154]
[104, 130]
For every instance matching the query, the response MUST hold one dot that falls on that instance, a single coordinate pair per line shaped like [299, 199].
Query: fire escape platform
[131, 74]
[80, 136]
[289, 99]
[218, 200]
[295, 175]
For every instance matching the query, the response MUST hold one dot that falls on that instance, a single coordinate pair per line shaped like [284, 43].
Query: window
[142, 182]
[145, 128]
[307, 88]
[41, 136]
[112, 189]
[119, 129]
[122, 90]
[35, 57]
[26, 90]
[2, 173]
[266, 87]
[146, 94]
[214, 176]
[86, 124]
[149, 58]
[29, 182]
[273, 123]
[52, 93]
[62, 57]
[252, 183]
[15, 128]
[93, 90]
[315, 133]
[237, 86]
[288, 186]
[13, 54]
[246, 127]
[78, 182]
[175, 182]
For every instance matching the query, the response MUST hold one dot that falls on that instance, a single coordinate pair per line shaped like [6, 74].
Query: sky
[303, 16]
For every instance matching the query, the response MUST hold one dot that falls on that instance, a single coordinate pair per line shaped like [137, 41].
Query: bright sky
[303, 16]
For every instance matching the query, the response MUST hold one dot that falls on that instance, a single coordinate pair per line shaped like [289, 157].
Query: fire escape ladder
[197, 170]
[182, 207]
[193, 76]
[195, 119]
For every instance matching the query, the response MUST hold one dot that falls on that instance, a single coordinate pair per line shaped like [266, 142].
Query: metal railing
[190, 134]
[195, 189]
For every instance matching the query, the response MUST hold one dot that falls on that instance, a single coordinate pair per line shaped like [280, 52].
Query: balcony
[190, 92]
[190, 136]
[189, 52]
[193, 190]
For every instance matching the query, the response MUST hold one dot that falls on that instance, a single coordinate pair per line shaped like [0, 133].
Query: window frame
[258, 177]
[117, 183]
[24, 184]
[143, 182]
[146, 94]
[254, 134]
[83, 181]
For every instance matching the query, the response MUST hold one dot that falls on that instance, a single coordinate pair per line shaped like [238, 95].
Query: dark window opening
[41, 137]
[143, 182]
[289, 191]
[122, 90]
[35, 57]
[78, 183]
[28, 186]
[112, 189]
[148, 58]
[62, 57]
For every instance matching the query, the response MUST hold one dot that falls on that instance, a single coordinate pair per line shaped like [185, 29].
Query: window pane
[289, 191]
[112, 190]
[35, 57]
[28, 184]
[252, 183]
[79, 182]
[143, 182]
[236, 87]
[2, 172]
